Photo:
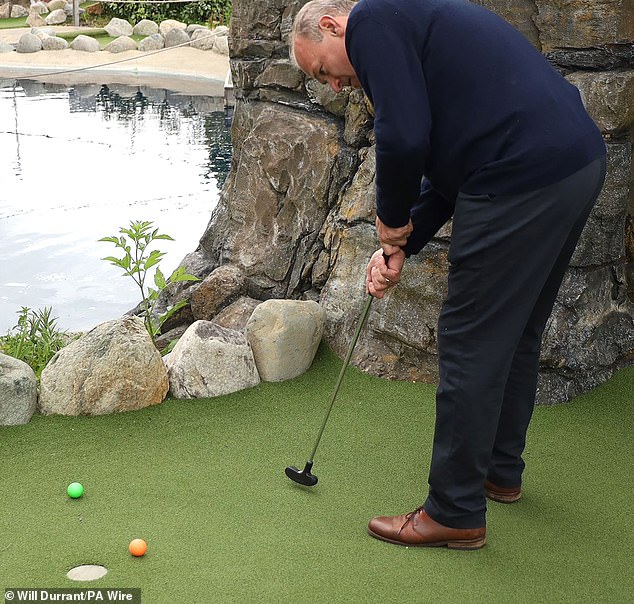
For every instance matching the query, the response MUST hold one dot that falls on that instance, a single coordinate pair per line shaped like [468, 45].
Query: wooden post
[76, 13]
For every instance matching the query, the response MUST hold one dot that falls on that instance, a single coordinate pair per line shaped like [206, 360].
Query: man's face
[327, 60]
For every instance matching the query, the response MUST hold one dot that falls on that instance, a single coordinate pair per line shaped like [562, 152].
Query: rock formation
[296, 213]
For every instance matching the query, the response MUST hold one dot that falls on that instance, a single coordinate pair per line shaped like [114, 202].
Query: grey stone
[115, 367]
[603, 238]
[18, 11]
[609, 99]
[4, 47]
[29, 43]
[18, 391]
[221, 45]
[175, 37]
[210, 361]
[118, 27]
[192, 27]
[584, 23]
[236, 315]
[202, 39]
[54, 43]
[5, 10]
[284, 336]
[170, 24]
[85, 43]
[287, 171]
[282, 73]
[222, 287]
[145, 27]
[152, 42]
[39, 8]
[56, 17]
[42, 32]
[121, 44]
[56, 5]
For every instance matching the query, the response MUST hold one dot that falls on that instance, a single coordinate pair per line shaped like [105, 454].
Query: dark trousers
[508, 256]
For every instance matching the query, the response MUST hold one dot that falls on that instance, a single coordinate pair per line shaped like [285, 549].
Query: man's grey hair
[306, 22]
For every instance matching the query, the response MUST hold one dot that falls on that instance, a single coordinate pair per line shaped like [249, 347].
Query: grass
[202, 482]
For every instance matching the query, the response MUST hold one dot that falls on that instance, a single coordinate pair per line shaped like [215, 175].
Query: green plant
[136, 262]
[214, 12]
[35, 339]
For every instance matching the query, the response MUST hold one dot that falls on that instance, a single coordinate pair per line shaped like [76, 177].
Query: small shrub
[214, 12]
[35, 339]
[137, 260]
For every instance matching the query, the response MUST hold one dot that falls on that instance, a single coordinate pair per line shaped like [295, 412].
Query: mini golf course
[202, 482]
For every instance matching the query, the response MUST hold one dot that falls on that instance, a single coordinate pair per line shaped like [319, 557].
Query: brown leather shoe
[502, 494]
[417, 529]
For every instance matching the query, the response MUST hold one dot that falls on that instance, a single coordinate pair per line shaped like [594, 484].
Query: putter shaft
[362, 318]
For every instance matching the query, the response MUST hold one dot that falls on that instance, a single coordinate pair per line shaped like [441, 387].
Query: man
[507, 149]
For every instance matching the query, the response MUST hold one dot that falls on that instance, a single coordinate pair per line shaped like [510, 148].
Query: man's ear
[330, 26]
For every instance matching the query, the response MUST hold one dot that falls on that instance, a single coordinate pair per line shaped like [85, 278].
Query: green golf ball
[75, 490]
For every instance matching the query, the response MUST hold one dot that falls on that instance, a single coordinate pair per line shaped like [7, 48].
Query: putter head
[304, 476]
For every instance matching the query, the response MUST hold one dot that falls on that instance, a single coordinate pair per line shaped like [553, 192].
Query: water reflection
[76, 163]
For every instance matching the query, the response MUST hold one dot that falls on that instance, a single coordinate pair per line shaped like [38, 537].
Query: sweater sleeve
[390, 71]
[428, 215]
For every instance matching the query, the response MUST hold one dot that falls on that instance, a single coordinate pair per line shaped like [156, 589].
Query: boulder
[221, 45]
[39, 8]
[115, 367]
[584, 23]
[192, 27]
[152, 42]
[85, 43]
[56, 5]
[4, 47]
[202, 39]
[236, 315]
[118, 27]
[121, 44]
[29, 43]
[54, 43]
[222, 287]
[18, 391]
[220, 30]
[209, 361]
[42, 32]
[18, 11]
[170, 24]
[145, 27]
[284, 336]
[56, 17]
[5, 11]
[175, 36]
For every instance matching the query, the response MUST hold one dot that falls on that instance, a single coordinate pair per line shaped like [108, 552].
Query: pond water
[79, 162]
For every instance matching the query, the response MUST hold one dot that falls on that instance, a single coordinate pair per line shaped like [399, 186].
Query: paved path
[184, 69]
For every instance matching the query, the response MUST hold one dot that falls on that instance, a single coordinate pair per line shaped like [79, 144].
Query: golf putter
[304, 477]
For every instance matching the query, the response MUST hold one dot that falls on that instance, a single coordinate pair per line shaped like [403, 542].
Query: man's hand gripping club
[383, 274]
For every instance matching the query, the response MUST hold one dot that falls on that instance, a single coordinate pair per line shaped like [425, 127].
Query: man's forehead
[305, 55]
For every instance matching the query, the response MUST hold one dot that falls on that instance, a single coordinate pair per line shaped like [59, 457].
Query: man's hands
[381, 276]
[392, 240]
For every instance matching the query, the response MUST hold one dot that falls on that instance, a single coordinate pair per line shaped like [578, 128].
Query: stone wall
[297, 210]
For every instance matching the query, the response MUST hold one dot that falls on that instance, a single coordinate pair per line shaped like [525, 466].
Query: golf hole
[87, 572]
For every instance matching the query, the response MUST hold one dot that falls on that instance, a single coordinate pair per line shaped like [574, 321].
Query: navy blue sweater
[461, 97]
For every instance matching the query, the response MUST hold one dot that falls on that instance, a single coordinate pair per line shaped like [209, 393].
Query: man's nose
[335, 84]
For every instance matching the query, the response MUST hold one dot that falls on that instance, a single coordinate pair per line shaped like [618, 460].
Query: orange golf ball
[137, 547]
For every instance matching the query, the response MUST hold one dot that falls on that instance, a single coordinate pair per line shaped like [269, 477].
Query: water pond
[79, 162]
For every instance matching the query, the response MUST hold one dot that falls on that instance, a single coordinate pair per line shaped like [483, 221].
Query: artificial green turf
[203, 483]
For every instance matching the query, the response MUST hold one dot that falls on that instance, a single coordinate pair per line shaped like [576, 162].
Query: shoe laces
[409, 517]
